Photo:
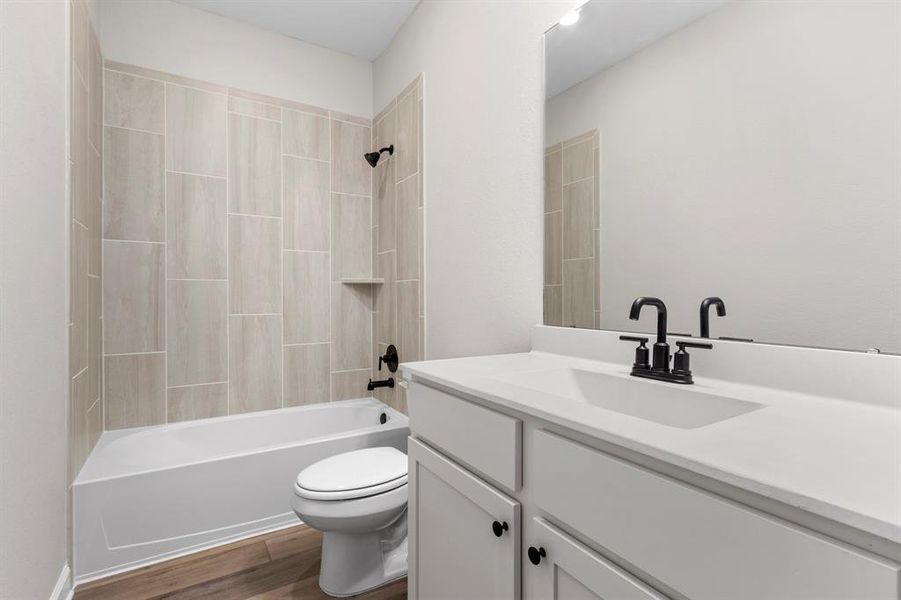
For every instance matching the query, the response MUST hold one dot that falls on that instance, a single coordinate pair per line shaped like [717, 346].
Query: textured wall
[230, 220]
[86, 188]
[399, 310]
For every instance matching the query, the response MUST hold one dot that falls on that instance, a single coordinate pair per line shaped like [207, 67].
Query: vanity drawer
[693, 542]
[482, 439]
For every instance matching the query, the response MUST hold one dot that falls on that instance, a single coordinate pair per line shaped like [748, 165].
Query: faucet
[705, 313]
[659, 368]
[661, 348]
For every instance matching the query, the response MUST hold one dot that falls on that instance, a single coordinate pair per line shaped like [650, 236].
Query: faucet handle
[701, 345]
[642, 353]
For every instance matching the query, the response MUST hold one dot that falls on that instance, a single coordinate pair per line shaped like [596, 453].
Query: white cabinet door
[464, 535]
[569, 570]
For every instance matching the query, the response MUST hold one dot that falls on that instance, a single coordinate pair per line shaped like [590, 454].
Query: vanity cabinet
[467, 534]
[502, 507]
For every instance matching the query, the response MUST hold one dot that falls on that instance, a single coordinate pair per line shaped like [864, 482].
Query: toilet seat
[353, 475]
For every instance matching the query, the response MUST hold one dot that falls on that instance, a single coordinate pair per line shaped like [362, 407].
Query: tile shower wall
[572, 232]
[230, 220]
[397, 237]
[85, 157]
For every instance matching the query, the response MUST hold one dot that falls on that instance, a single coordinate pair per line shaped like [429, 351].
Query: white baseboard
[63, 589]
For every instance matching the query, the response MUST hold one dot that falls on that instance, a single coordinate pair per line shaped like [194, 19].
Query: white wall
[483, 103]
[33, 293]
[171, 37]
[754, 155]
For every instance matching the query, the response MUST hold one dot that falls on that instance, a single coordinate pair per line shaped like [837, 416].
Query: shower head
[373, 157]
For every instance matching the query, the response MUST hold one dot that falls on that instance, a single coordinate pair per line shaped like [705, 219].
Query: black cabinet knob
[536, 554]
[499, 528]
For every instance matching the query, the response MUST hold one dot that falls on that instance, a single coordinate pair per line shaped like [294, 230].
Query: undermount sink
[667, 404]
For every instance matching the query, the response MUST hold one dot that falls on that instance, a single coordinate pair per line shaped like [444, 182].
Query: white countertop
[834, 458]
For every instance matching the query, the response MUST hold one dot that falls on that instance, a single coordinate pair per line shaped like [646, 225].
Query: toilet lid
[354, 474]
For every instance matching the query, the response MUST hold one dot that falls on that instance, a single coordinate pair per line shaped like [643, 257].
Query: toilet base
[353, 563]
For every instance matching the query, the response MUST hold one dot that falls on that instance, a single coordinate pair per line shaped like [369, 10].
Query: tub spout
[380, 383]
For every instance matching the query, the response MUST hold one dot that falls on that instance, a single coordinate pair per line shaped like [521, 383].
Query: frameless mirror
[749, 150]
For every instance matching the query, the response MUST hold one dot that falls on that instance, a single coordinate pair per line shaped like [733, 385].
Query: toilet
[358, 500]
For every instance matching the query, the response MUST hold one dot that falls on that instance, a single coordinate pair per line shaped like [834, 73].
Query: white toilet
[359, 501]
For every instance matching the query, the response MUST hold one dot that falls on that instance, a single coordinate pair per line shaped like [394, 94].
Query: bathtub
[152, 493]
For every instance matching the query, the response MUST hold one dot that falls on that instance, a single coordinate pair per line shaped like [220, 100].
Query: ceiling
[610, 31]
[361, 28]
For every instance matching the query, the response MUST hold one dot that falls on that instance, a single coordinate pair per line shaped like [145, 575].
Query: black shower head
[373, 157]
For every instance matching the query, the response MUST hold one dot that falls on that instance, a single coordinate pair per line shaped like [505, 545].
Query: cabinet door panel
[454, 552]
[572, 571]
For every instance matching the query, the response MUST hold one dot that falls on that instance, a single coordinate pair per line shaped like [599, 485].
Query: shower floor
[281, 565]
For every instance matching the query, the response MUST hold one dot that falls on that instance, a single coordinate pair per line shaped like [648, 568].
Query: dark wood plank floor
[278, 566]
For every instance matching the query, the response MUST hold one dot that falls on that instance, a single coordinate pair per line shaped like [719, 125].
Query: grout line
[165, 299]
[304, 157]
[132, 241]
[241, 114]
[147, 131]
[135, 353]
[352, 370]
[168, 81]
[574, 181]
[281, 244]
[308, 344]
[236, 214]
[228, 324]
[189, 385]
[195, 174]
[305, 251]
[254, 314]
[410, 176]
[192, 279]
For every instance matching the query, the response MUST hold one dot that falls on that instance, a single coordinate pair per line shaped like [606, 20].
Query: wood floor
[277, 566]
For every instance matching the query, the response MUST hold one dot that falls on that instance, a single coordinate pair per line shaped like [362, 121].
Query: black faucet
[659, 367]
[705, 313]
[660, 362]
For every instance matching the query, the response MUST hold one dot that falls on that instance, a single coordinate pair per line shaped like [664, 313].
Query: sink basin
[674, 405]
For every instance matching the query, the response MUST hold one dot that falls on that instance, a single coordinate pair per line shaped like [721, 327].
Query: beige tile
[351, 323]
[577, 161]
[307, 378]
[95, 226]
[195, 131]
[80, 31]
[95, 423]
[306, 135]
[196, 315]
[253, 108]
[383, 185]
[80, 403]
[597, 188]
[347, 385]
[356, 119]
[306, 299]
[255, 368]
[578, 293]
[351, 174]
[306, 190]
[81, 151]
[408, 321]
[196, 227]
[95, 337]
[408, 253]
[406, 148]
[254, 265]
[386, 301]
[134, 186]
[134, 391]
[289, 104]
[596, 267]
[351, 242]
[134, 102]
[553, 181]
[133, 303]
[167, 77]
[255, 166]
[78, 300]
[553, 248]
[578, 217]
[196, 402]
[553, 305]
